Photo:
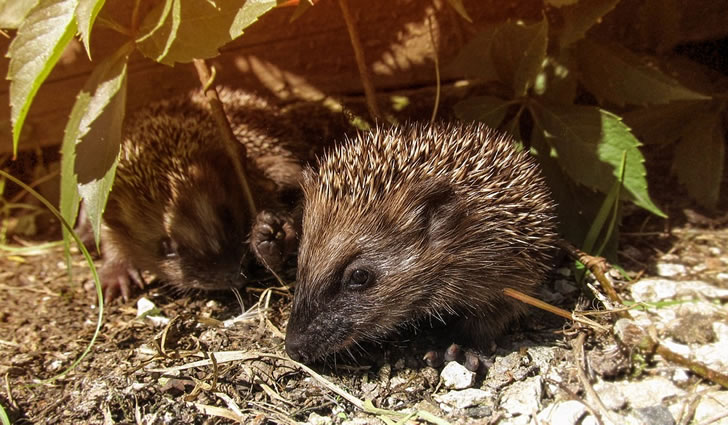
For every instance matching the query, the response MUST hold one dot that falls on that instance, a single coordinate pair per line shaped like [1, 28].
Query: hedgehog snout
[295, 347]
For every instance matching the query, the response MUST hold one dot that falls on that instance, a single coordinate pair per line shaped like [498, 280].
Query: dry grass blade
[218, 411]
[520, 296]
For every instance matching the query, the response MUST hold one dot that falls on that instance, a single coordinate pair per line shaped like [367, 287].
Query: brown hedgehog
[177, 208]
[413, 223]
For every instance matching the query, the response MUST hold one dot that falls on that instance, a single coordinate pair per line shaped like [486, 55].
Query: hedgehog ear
[439, 210]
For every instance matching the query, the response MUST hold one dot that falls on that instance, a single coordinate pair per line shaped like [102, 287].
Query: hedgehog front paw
[454, 353]
[273, 239]
[117, 277]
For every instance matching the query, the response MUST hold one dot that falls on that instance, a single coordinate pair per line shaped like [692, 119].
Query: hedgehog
[177, 209]
[417, 222]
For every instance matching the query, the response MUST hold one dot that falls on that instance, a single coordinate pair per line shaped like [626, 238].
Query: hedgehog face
[194, 238]
[376, 272]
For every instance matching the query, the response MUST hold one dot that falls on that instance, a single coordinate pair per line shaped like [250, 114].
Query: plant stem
[366, 80]
[223, 125]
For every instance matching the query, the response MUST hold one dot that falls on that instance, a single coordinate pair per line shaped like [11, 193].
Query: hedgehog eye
[357, 277]
[168, 248]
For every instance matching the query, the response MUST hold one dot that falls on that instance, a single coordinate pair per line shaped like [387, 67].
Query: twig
[596, 265]
[696, 367]
[578, 348]
[438, 84]
[361, 63]
[232, 145]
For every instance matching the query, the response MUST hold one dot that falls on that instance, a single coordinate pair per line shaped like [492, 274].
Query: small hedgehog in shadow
[177, 208]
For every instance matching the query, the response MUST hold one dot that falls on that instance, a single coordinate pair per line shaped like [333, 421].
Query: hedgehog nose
[294, 348]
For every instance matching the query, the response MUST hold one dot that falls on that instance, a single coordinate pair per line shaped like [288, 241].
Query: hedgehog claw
[116, 279]
[273, 239]
[471, 361]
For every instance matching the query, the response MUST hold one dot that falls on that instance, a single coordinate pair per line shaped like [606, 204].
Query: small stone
[693, 328]
[632, 252]
[316, 419]
[680, 376]
[670, 269]
[542, 357]
[609, 394]
[523, 398]
[714, 250]
[144, 305]
[506, 370]
[654, 415]
[562, 413]
[722, 276]
[466, 398]
[454, 375]
[609, 362]
[652, 290]
[648, 392]
[712, 406]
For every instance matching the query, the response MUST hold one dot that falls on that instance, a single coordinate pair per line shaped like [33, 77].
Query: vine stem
[366, 80]
[223, 125]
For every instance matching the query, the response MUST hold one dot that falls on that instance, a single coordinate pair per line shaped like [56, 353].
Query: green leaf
[589, 143]
[610, 205]
[474, 59]
[661, 23]
[486, 109]
[182, 30]
[615, 74]
[577, 206]
[699, 158]
[557, 81]
[518, 53]
[92, 139]
[37, 46]
[460, 9]
[86, 15]
[248, 14]
[12, 12]
[580, 17]
[662, 124]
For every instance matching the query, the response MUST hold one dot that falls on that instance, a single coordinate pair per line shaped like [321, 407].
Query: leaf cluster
[580, 101]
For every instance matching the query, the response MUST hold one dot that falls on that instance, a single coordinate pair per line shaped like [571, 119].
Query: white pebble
[456, 376]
